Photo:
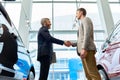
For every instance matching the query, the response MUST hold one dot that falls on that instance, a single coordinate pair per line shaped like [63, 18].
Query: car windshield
[115, 36]
[15, 31]
[5, 19]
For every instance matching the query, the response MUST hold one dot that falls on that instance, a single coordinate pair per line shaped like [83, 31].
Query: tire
[103, 74]
[31, 76]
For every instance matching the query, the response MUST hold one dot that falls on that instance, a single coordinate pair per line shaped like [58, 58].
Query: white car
[23, 68]
[108, 61]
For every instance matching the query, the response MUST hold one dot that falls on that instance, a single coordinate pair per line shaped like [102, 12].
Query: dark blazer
[45, 41]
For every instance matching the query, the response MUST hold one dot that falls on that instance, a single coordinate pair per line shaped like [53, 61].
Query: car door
[112, 51]
[24, 62]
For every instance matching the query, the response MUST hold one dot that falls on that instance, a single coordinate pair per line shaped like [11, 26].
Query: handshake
[69, 43]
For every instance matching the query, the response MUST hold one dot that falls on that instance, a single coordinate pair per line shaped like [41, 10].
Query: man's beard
[48, 26]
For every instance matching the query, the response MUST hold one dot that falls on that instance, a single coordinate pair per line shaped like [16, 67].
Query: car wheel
[31, 76]
[103, 74]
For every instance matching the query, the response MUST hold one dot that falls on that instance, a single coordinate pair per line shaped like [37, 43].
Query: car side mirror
[28, 51]
[108, 41]
[103, 50]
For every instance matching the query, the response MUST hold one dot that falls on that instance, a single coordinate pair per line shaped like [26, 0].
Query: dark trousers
[44, 68]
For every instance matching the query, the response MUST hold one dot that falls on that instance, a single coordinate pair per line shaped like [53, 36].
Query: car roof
[2, 9]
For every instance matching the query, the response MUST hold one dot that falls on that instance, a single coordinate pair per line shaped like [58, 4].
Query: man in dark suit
[45, 48]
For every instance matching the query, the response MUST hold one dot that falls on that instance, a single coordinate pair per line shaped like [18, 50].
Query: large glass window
[42, 0]
[62, 16]
[13, 10]
[113, 0]
[68, 11]
[115, 12]
[87, 0]
[39, 11]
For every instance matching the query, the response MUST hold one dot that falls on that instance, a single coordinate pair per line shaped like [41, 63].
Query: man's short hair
[83, 10]
[43, 21]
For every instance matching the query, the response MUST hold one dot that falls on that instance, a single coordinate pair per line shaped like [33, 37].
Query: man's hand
[67, 43]
[74, 44]
[83, 53]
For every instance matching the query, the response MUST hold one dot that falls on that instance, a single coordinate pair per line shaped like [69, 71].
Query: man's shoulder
[43, 29]
[86, 19]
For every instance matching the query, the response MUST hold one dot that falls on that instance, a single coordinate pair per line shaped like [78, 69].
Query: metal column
[106, 16]
[25, 20]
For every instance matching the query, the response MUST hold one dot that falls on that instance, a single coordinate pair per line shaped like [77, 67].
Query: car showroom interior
[50, 39]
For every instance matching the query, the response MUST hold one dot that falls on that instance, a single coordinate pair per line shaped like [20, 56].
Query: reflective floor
[82, 77]
[37, 76]
[116, 78]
